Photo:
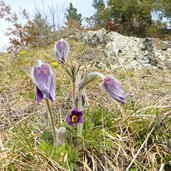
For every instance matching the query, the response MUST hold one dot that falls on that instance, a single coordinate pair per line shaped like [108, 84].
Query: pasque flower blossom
[109, 84]
[61, 50]
[44, 81]
[75, 117]
[114, 89]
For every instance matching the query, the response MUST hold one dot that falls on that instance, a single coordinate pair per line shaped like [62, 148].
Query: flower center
[74, 118]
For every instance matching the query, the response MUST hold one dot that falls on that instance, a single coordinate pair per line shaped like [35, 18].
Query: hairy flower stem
[80, 108]
[73, 94]
[52, 123]
[70, 139]
[59, 119]
[73, 105]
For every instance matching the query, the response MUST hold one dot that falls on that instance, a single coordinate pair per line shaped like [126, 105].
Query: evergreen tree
[164, 6]
[137, 14]
[72, 14]
[100, 16]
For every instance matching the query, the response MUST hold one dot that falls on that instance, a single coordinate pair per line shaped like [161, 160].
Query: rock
[95, 37]
[130, 52]
[167, 63]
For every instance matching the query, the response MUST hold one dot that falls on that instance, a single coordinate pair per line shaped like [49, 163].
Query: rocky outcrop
[96, 37]
[130, 52]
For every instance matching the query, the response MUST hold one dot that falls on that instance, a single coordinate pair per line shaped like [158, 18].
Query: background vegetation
[112, 134]
[140, 18]
[133, 17]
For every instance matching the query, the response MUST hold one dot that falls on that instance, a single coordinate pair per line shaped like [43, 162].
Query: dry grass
[113, 134]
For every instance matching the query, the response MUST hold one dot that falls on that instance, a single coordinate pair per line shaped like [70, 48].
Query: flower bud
[114, 89]
[61, 50]
[88, 78]
[61, 135]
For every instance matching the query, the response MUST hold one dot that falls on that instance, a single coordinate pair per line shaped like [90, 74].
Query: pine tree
[100, 15]
[138, 13]
[72, 14]
[135, 14]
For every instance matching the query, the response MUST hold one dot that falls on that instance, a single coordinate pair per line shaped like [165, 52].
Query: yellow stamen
[74, 118]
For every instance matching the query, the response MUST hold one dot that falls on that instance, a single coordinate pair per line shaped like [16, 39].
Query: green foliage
[100, 16]
[24, 138]
[72, 14]
[164, 6]
[132, 14]
[133, 17]
[65, 155]
[27, 147]
[95, 121]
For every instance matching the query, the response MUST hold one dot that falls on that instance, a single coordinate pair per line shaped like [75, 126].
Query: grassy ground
[112, 134]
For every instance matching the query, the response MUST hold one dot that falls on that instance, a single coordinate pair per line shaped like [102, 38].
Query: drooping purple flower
[114, 89]
[44, 81]
[61, 50]
[75, 117]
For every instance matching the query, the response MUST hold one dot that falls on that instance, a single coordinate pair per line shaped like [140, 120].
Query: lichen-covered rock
[131, 52]
[95, 37]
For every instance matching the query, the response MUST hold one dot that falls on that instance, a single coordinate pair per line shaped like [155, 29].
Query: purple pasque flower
[75, 117]
[114, 89]
[61, 50]
[44, 81]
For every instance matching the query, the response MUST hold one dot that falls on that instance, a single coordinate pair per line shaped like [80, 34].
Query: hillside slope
[113, 133]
